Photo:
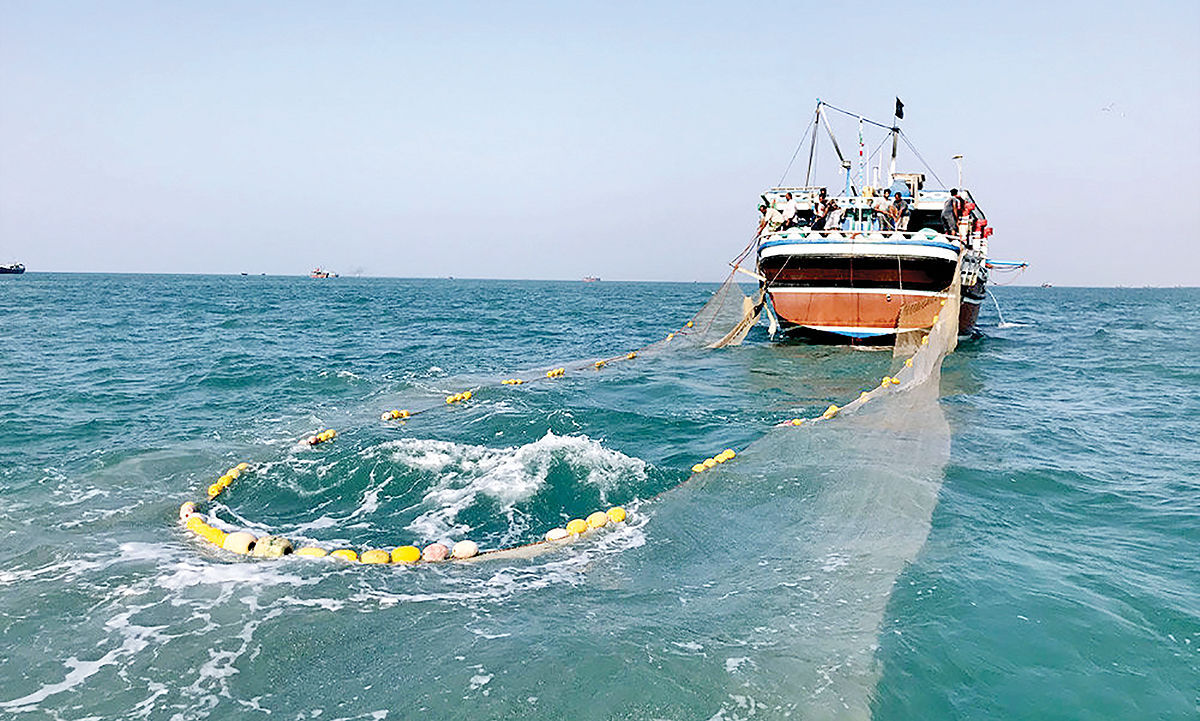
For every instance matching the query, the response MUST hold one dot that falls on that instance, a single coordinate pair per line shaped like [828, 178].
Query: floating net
[862, 483]
[724, 320]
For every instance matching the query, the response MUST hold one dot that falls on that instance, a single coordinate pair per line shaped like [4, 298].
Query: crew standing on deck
[951, 212]
[899, 212]
[788, 210]
[820, 210]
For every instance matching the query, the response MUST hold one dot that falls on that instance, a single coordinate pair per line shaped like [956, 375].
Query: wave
[506, 476]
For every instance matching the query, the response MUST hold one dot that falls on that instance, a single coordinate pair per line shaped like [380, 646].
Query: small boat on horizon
[591, 279]
[12, 269]
[318, 273]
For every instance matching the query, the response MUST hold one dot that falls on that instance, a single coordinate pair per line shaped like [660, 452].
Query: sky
[557, 140]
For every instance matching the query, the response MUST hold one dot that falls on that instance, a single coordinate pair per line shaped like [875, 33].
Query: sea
[1023, 545]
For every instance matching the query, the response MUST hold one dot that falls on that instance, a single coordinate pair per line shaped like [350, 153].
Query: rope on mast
[904, 136]
[793, 160]
[856, 115]
[812, 148]
[877, 149]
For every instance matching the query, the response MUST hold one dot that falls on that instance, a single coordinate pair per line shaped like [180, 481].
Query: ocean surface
[1023, 544]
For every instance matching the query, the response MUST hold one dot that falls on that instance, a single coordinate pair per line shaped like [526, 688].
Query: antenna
[958, 163]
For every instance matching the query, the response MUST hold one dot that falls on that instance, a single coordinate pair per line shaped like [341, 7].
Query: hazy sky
[556, 140]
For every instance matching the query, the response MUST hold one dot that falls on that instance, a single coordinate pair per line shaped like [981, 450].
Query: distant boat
[318, 273]
[12, 269]
[591, 279]
[1047, 285]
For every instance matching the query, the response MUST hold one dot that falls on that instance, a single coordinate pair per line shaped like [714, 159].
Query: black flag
[899, 109]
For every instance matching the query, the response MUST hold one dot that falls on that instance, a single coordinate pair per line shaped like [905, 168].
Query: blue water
[1046, 568]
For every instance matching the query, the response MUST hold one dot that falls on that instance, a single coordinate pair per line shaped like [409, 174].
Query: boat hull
[15, 269]
[833, 288]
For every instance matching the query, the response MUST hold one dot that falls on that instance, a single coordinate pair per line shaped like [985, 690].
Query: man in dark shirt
[820, 210]
[899, 212]
[951, 212]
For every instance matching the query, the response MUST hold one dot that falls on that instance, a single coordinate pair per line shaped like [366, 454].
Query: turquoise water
[1042, 565]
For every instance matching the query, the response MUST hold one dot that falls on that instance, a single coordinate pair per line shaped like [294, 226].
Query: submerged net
[914, 315]
[859, 488]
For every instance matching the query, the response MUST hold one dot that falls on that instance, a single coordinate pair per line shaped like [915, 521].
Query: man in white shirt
[787, 210]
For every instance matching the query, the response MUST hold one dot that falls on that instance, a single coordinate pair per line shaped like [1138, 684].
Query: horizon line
[543, 280]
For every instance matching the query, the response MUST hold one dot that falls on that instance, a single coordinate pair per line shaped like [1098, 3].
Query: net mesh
[863, 487]
[723, 321]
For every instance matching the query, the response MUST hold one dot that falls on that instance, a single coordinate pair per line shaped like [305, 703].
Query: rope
[799, 145]
[857, 116]
[904, 137]
[812, 148]
[878, 148]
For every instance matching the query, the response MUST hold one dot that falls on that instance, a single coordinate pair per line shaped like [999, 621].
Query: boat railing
[796, 189]
[860, 236]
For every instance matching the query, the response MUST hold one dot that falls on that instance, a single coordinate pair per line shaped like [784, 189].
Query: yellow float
[406, 554]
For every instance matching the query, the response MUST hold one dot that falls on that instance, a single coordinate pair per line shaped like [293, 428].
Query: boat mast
[812, 146]
[896, 116]
[833, 139]
[862, 156]
[892, 164]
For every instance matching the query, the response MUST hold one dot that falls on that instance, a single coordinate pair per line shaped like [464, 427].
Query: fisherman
[951, 212]
[881, 213]
[787, 211]
[832, 219]
[899, 212]
[771, 219]
[820, 210]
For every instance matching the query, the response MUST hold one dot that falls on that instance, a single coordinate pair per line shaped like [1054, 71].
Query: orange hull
[852, 313]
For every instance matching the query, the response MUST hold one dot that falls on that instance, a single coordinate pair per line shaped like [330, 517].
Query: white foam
[80, 672]
[370, 501]
[192, 573]
[61, 570]
[329, 604]
[481, 679]
[505, 475]
[135, 639]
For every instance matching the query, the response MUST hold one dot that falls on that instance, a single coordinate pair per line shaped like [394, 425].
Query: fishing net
[852, 495]
[723, 321]
[929, 316]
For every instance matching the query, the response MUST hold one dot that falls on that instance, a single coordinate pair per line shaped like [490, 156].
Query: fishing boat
[591, 279]
[12, 269]
[318, 273]
[848, 268]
